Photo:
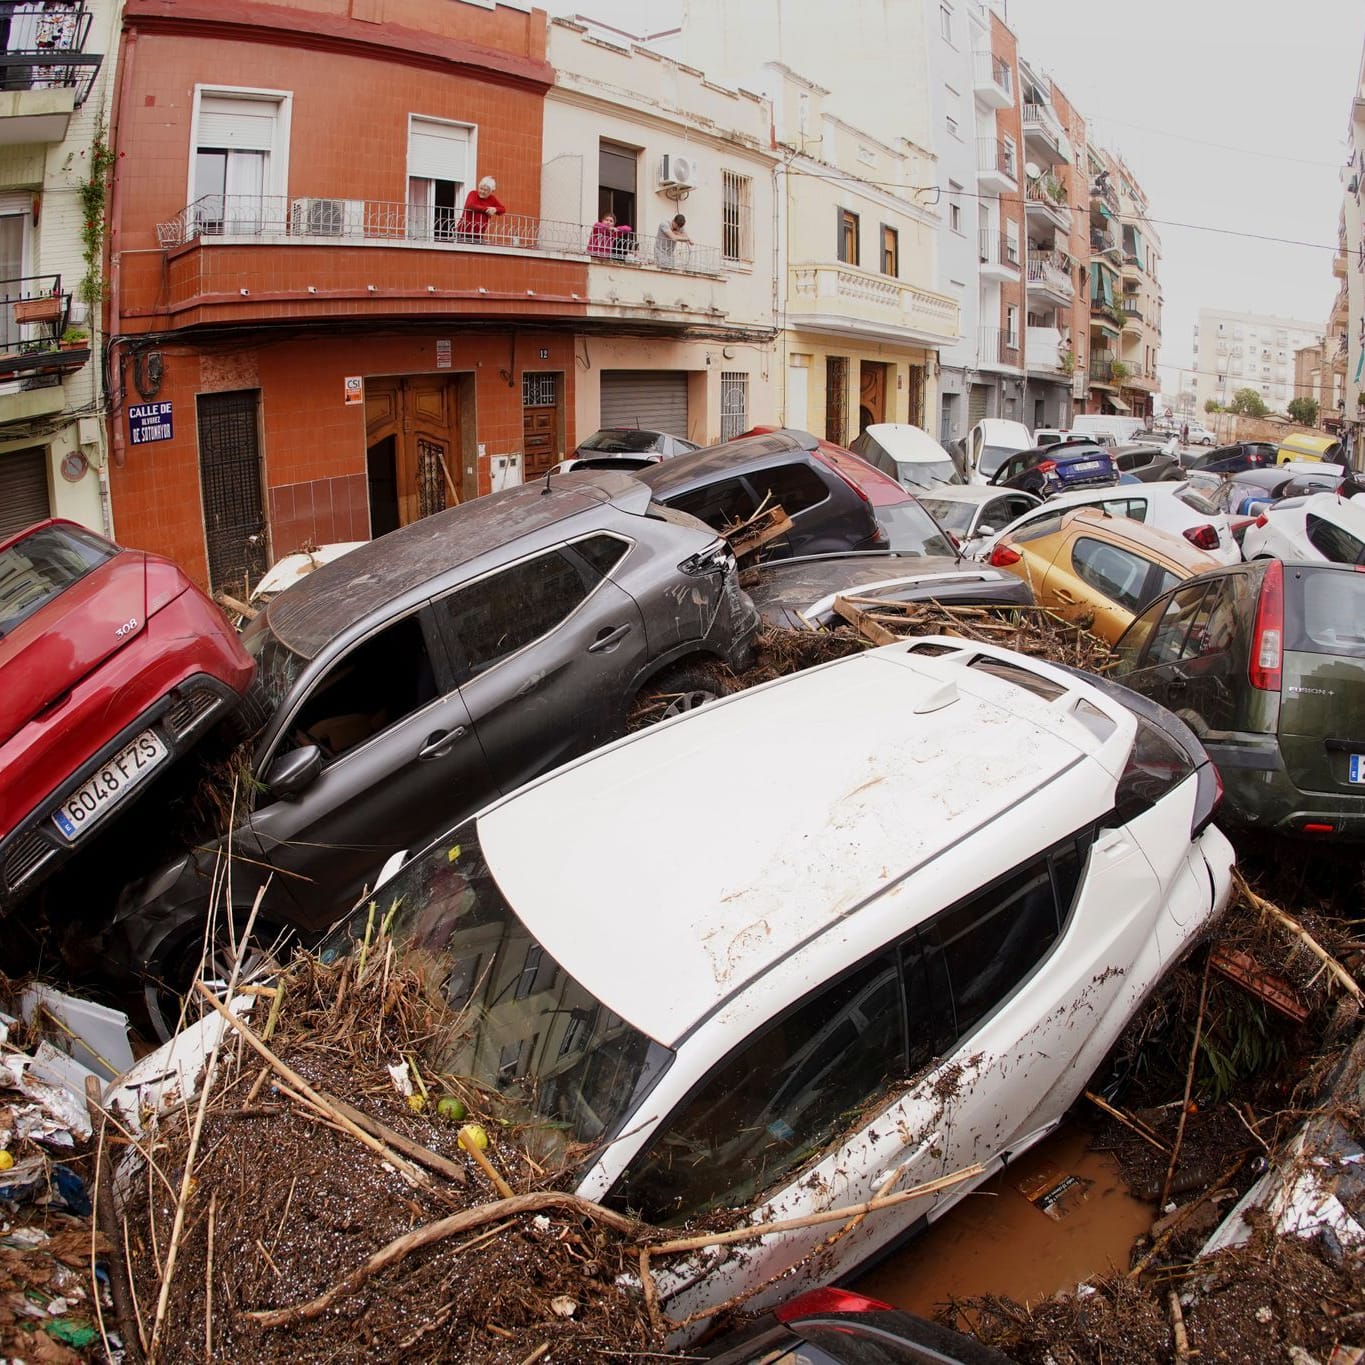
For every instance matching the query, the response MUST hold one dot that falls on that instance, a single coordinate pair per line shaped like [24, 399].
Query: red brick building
[286, 221]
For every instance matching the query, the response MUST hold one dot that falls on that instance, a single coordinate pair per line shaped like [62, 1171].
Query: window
[1009, 157]
[382, 680]
[440, 173]
[1173, 627]
[954, 206]
[951, 124]
[1012, 326]
[718, 504]
[504, 612]
[240, 166]
[891, 252]
[734, 404]
[945, 23]
[1119, 574]
[539, 389]
[736, 228]
[848, 237]
[602, 553]
[616, 178]
[795, 486]
[1331, 540]
[1012, 243]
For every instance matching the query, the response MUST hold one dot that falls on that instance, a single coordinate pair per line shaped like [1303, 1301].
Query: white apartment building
[1350, 265]
[1235, 351]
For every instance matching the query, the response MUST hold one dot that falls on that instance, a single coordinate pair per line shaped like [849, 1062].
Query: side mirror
[294, 772]
[985, 529]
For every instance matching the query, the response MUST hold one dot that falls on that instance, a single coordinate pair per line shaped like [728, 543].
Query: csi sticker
[355, 389]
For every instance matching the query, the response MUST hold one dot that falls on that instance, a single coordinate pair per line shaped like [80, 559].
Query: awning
[1119, 405]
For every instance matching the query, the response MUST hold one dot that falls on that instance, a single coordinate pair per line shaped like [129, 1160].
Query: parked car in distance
[837, 1327]
[993, 848]
[1148, 463]
[1046, 470]
[907, 453]
[1266, 663]
[433, 669]
[1083, 562]
[1094, 425]
[113, 665]
[1302, 446]
[1173, 507]
[728, 483]
[1050, 436]
[1232, 459]
[989, 443]
[633, 441]
[1321, 527]
[971, 512]
[800, 593]
[1200, 435]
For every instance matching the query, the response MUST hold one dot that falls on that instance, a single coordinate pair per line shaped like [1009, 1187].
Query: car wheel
[168, 993]
[678, 691]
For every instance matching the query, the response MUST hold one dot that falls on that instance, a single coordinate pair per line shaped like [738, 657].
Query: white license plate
[1086, 466]
[88, 803]
[1357, 768]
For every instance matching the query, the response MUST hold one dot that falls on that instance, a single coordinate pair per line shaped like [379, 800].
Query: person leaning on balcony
[602, 238]
[667, 238]
[480, 206]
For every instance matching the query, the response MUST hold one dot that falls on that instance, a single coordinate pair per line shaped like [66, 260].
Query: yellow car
[1084, 562]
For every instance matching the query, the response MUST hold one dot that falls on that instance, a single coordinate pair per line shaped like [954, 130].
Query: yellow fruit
[448, 1107]
[6, 1160]
[417, 1103]
[473, 1136]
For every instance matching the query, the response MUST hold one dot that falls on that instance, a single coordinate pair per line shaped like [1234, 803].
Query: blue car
[1233, 459]
[1045, 470]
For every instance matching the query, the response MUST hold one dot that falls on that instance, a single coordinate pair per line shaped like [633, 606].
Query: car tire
[678, 691]
[169, 982]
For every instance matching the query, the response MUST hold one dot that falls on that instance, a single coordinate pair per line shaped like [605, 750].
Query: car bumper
[36, 848]
[1258, 793]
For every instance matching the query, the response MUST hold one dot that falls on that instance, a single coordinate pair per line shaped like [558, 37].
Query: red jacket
[477, 212]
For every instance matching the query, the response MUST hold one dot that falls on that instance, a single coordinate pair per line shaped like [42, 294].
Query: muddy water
[998, 1242]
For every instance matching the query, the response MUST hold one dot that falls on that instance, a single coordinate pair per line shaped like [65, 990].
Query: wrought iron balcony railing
[45, 48]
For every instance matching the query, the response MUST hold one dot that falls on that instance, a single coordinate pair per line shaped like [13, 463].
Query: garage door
[23, 490]
[976, 403]
[653, 399]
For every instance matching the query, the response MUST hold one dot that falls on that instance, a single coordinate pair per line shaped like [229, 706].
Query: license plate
[1357, 773]
[1086, 467]
[89, 802]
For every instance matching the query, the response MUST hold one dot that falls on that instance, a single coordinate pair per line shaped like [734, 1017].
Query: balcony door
[440, 172]
[16, 213]
[412, 448]
[238, 173]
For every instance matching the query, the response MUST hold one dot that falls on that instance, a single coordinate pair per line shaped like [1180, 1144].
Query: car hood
[47, 654]
[797, 592]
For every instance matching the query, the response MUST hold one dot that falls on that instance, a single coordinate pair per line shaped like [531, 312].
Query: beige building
[1236, 351]
[681, 334]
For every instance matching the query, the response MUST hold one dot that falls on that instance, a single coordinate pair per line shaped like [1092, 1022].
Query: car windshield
[951, 514]
[910, 530]
[277, 666]
[39, 567]
[926, 473]
[992, 457]
[519, 1025]
[624, 441]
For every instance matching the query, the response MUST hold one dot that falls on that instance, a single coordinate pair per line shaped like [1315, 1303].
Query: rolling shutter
[653, 399]
[976, 403]
[438, 151]
[238, 125]
[23, 490]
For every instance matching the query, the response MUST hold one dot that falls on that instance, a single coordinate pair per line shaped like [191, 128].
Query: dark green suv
[1266, 663]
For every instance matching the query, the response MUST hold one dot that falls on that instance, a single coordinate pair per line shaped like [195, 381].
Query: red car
[112, 664]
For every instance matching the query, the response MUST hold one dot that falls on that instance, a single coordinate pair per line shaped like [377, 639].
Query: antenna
[546, 489]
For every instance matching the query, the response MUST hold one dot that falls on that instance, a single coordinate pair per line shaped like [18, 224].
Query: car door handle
[439, 743]
[608, 638]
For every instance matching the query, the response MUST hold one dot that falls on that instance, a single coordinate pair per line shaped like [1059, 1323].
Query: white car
[1178, 508]
[908, 453]
[835, 969]
[970, 511]
[1324, 526]
[1200, 435]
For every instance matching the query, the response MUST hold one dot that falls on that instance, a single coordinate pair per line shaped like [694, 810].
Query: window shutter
[438, 151]
[239, 125]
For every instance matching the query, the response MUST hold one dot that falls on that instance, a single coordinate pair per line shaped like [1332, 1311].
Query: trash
[1053, 1195]
[95, 1035]
[26, 1181]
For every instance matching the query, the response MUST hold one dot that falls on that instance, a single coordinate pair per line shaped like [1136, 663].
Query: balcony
[999, 255]
[997, 166]
[45, 72]
[999, 350]
[1047, 354]
[1042, 130]
[1103, 243]
[842, 298]
[1045, 200]
[1104, 202]
[1107, 371]
[1049, 274]
[994, 82]
[1339, 265]
[34, 313]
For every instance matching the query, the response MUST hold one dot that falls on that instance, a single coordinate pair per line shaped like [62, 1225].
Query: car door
[1095, 577]
[545, 650]
[399, 761]
[999, 512]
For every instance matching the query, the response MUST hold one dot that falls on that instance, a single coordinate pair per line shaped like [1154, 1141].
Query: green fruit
[473, 1136]
[448, 1107]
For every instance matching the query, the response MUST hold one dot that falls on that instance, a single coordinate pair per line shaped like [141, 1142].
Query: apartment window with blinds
[440, 173]
[891, 252]
[736, 227]
[241, 146]
[848, 237]
[734, 404]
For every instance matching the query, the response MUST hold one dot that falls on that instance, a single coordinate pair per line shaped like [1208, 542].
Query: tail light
[717, 557]
[839, 473]
[1267, 641]
[825, 1302]
[1262, 520]
[1208, 796]
[1046, 467]
[1203, 537]
[1004, 555]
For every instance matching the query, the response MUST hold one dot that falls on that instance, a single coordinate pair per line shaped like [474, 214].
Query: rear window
[795, 486]
[43, 565]
[1334, 542]
[622, 441]
[910, 530]
[1201, 505]
[1331, 614]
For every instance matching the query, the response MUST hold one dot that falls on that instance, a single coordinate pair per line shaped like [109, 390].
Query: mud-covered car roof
[335, 596]
[682, 472]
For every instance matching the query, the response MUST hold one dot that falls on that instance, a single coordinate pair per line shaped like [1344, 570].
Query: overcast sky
[1231, 113]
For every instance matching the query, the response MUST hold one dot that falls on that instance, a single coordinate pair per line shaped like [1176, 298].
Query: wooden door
[539, 423]
[412, 441]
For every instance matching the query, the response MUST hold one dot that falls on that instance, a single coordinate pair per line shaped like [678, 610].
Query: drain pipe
[115, 220]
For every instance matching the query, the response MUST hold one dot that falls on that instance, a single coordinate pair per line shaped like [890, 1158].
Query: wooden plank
[863, 623]
[747, 537]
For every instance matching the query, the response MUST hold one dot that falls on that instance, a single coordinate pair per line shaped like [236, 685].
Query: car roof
[798, 839]
[699, 467]
[881, 489]
[336, 596]
[906, 443]
[1083, 497]
[1136, 535]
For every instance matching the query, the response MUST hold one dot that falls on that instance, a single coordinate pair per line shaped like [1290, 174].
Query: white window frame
[472, 170]
[1012, 326]
[275, 184]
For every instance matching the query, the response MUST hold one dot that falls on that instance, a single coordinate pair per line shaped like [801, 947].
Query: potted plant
[45, 308]
[1066, 362]
[1119, 371]
[75, 339]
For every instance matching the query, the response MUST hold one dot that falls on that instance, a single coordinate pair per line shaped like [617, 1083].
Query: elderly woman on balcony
[480, 206]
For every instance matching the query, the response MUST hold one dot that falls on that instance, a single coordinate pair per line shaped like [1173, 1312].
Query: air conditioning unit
[677, 172]
[327, 217]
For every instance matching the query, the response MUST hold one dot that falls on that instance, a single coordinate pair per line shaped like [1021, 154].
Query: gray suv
[422, 675]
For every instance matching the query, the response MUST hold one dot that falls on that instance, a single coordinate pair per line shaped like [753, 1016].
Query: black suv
[728, 483]
[430, 671]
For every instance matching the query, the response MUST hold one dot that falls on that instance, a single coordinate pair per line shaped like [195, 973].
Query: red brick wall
[1008, 124]
[1078, 196]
